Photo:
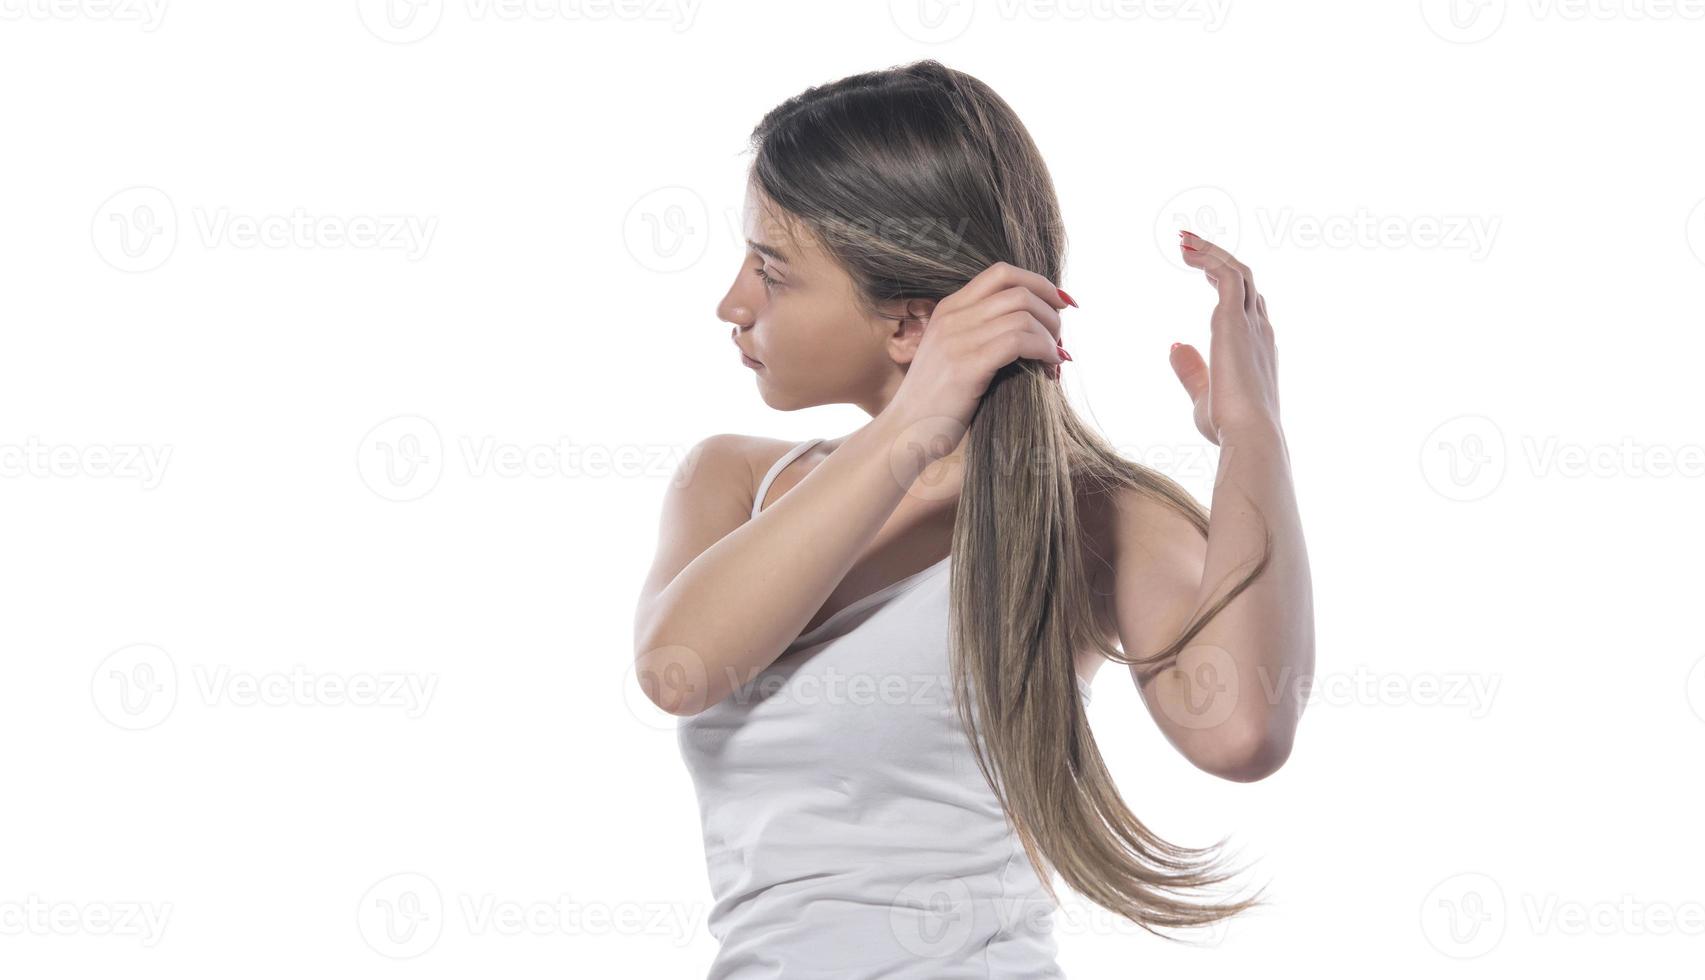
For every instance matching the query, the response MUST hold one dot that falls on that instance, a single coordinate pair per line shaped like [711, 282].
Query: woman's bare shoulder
[738, 460]
[758, 453]
[709, 496]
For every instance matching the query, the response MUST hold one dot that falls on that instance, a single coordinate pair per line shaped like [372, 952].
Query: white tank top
[848, 831]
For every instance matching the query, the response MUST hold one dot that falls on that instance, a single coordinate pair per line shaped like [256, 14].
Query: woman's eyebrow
[773, 253]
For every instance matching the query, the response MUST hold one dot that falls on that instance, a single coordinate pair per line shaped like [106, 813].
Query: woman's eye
[769, 281]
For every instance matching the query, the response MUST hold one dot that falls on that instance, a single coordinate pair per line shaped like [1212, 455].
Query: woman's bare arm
[1233, 700]
[727, 595]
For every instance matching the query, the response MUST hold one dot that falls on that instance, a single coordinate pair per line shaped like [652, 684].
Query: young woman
[879, 646]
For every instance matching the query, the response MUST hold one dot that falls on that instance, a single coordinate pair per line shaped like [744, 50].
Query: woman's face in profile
[794, 310]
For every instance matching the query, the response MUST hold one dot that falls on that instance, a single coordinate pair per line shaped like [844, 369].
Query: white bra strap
[780, 464]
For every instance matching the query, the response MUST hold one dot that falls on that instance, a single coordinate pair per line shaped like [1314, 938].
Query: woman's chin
[781, 399]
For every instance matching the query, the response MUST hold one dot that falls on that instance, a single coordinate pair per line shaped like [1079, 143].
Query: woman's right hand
[1002, 314]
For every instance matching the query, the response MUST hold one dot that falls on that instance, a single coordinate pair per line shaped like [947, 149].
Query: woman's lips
[746, 358]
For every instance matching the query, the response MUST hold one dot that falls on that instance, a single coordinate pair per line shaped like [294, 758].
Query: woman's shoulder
[749, 448]
[740, 458]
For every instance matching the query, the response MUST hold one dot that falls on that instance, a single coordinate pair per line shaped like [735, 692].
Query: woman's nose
[730, 310]
[739, 304]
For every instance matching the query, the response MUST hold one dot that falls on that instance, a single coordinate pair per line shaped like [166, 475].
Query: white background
[1482, 247]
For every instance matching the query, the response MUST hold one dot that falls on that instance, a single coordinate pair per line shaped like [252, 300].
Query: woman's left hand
[1238, 385]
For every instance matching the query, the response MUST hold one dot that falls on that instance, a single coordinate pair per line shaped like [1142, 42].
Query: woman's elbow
[1250, 756]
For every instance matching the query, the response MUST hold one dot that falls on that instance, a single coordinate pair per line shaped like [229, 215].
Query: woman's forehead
[772, 232]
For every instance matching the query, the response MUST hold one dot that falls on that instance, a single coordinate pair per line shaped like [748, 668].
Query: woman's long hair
[914, 179]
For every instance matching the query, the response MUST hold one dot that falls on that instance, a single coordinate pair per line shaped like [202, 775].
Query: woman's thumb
[1192, 371]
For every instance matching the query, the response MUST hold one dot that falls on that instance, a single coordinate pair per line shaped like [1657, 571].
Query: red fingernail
[1067, 298]
[1177, 344]
[1187, 248]
[1063, 355]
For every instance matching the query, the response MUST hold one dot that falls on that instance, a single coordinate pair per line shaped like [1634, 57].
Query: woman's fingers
[1003, 314]
[1231, 278]
[1033, 338]
[1015, 335]
[1191, 369]
[1265, 324]
[1018, 299]
[1005, 275]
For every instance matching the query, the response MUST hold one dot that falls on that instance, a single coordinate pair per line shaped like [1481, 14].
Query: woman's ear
[909, 319]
